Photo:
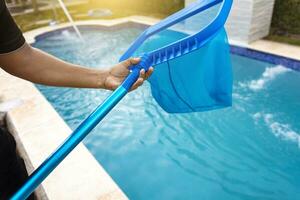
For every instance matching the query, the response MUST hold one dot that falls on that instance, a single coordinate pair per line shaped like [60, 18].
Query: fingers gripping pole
[145, 64]
[37, 177]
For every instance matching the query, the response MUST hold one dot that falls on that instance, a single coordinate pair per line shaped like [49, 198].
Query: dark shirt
[11, 37]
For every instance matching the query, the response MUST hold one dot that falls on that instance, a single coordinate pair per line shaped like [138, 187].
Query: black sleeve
[11, 37]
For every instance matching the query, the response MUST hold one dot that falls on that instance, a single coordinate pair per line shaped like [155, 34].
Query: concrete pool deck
[39, 129]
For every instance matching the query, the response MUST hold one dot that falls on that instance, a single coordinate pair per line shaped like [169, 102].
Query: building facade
[249, 20]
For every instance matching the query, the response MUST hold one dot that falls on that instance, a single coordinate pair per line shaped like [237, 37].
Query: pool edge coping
[39, 130]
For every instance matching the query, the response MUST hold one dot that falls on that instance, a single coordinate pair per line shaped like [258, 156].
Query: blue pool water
[248, 151]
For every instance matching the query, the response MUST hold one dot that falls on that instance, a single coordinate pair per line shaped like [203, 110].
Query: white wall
[249, 20]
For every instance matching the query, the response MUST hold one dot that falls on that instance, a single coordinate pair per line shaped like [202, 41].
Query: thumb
[131, 61]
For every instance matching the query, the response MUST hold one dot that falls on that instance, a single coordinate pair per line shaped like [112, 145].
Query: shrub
[286, 17]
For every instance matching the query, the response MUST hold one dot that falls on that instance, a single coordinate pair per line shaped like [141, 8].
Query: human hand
[116, 74]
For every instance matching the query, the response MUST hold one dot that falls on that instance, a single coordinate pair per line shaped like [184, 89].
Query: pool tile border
[266, 57]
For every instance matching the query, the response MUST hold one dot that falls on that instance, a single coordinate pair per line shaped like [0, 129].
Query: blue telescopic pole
[37, 177]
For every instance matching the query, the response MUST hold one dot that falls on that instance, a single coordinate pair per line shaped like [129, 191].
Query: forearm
[39, 67]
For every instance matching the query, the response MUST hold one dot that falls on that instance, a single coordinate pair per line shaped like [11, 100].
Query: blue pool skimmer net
[192, 73]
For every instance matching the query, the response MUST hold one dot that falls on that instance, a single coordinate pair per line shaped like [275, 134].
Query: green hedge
[165, 7]
[286, 17]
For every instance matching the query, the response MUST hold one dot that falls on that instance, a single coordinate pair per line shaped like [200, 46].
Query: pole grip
[135, 71]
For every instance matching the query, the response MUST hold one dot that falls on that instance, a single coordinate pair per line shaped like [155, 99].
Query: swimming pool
[249, 151]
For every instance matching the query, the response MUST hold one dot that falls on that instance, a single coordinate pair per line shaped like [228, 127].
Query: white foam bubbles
[256, 117]
[280, 130]
[269, 75]
[66, 33]
[239, 97]
[283, 131]
[70, 36]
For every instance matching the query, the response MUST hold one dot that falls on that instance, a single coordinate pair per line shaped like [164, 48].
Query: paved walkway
[276, 48]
